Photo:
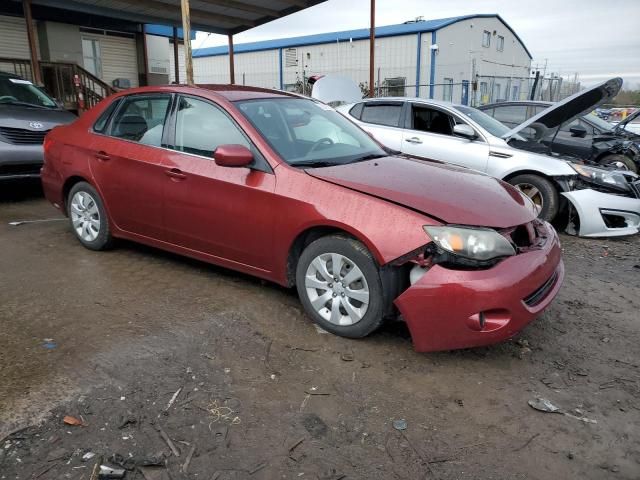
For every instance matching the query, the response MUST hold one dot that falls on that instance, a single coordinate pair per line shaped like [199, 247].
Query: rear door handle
[103, 156]
[413, 140]
[175, 173]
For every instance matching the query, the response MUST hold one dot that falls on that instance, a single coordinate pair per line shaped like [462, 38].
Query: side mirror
[465, 131]
[234, 156]
[578, 131]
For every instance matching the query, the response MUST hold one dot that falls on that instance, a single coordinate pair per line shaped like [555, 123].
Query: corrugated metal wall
[119, 58]
[13, 38]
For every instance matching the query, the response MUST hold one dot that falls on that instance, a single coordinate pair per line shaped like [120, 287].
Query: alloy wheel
[533, 193]
[85, 216]
[337, 289]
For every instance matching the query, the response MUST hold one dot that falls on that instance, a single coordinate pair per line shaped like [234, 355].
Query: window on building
[395, 86]
[91, 56]
[500, 43]
[515, 92]
[486, 38]
[141, 119]
[201, 127]
[427, 119]
[382, 113]
[291, 57]
[497, 92]
[484, 93]
[447, 93]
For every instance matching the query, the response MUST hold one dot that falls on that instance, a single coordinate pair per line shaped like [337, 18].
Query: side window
[103, 120]
[430, 120]
[382, 114]
[511, 115]
[141, 119]
[202, 127]
[356, 110]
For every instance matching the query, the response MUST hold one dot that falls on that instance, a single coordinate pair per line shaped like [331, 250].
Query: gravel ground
[110, 337]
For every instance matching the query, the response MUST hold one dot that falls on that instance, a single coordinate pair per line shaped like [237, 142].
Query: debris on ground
[73, 421]
[400, 424]
[545, 405]
[110, 472]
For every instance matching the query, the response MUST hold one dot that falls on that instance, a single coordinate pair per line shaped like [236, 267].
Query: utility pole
[31, 36]
[186, 32]
[372, 51]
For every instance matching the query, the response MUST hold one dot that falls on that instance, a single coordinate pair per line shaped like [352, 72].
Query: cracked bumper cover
[451, 309]
[591, 207]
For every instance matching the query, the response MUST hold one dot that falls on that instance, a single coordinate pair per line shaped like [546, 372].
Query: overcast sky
[596, 38]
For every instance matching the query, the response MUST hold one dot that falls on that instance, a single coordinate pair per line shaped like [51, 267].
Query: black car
[587, 137]
[27, 113]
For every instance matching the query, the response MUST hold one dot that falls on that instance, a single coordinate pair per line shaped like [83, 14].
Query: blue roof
[359, 34]
[165, 31]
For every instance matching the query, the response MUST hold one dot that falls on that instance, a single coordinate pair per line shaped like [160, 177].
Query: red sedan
[287, 189]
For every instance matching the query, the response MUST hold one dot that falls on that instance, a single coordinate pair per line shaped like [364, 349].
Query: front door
[221, 211]
[126, 163]
[430, 135]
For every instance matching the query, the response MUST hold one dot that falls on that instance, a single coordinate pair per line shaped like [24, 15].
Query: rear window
[382, 114]
[356, 110]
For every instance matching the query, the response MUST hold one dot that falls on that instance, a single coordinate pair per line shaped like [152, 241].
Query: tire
[355, 318]
[541, 191]
[88, 217]
[628, 163]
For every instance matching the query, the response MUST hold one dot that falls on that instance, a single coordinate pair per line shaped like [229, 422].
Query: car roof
[227, 91]
[429, 101]
[516, 102]
[9, 75]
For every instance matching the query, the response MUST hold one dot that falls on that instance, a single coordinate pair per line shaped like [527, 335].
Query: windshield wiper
[22, 104]
[315, 164]
[371, 156]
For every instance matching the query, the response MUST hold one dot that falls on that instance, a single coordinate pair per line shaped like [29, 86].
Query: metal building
[471, 59]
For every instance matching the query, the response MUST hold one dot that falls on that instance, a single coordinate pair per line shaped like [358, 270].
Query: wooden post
[35, 64]
[176, 56]
[232, 75]
[372, 48]
[186, 33]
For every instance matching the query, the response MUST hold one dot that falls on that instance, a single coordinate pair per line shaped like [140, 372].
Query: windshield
[598, 122]
[309, 133]
[17, 91]
[490, 124]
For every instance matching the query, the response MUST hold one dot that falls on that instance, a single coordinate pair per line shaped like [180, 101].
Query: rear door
[127, 163]
[382, 119]
[429, 134]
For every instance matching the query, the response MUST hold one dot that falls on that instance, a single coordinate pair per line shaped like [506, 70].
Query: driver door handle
[413, 140]
[175, 173]
[102, 156]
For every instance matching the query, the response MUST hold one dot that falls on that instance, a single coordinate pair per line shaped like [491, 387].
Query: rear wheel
[88, 217]
[621, 161]
[541, 191]
[339, 286]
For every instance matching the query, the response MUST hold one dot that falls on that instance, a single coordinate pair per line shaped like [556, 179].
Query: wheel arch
[68, 185]
[538, 173]
[312, 233]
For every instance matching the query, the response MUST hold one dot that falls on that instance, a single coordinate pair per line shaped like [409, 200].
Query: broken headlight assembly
[599, 176]
[466, 247]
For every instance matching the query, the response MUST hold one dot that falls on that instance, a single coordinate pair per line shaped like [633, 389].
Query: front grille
[537, 296]
[21, 136]
[20, 169]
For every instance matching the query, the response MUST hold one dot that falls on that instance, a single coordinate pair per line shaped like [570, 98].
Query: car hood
[571, 107]
[450, 194]
[16, 116]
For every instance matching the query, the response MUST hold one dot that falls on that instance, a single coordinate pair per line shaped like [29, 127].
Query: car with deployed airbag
[285, 188]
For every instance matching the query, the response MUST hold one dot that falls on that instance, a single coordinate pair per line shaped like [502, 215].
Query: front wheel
[621, 161]
[88, 217]
[339, 286]
[541, 191]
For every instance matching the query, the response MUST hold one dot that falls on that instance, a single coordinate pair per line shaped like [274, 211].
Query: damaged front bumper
[602, 214]
[448, 309]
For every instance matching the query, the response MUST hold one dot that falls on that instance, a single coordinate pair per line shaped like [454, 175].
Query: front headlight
[473, 243]
[601, 176]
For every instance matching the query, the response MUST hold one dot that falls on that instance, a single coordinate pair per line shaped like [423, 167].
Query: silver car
[605, 203]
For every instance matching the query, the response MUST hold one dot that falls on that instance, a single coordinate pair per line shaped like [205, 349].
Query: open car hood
[571, 107]
[450, 194]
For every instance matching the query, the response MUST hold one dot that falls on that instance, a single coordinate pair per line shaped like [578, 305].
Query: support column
[186, 33]
[372, 48]
[176, 55]
[232, 75]
[35, 64]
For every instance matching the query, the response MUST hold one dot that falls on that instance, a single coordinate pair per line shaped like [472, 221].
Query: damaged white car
[597, 202]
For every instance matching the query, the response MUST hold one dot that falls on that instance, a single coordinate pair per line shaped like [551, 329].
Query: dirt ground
[110, 337]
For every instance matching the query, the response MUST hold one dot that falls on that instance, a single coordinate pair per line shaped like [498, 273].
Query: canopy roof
[215, 16]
